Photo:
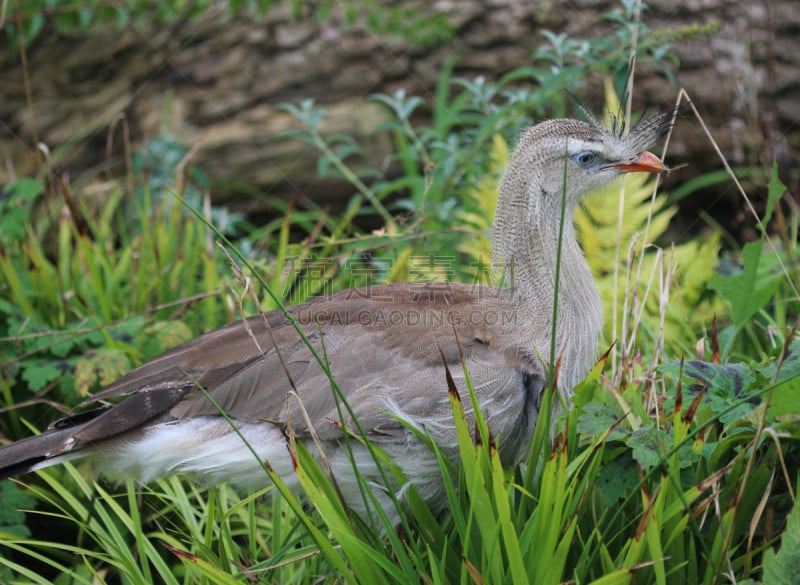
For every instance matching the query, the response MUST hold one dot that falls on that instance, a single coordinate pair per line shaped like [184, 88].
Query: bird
[388, 348]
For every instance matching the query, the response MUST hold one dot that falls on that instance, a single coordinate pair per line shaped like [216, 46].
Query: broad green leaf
[38, 372]
[785, 399]
[746, 292]
[648, 445]
[618, 479]
[16, 204]
[597, 418]
[12, 503]
[783, 567]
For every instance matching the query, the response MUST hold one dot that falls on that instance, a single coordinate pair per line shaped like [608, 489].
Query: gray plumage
[385, 347]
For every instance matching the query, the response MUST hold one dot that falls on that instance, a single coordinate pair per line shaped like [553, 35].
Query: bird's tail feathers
[50, 448]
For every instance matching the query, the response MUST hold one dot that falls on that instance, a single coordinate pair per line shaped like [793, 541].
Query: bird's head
[573, 157]
[561, 160]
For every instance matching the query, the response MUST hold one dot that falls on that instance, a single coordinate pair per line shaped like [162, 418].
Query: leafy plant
[782, 568]
[762, 293]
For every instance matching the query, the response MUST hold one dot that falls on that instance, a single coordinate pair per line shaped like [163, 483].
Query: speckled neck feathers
[544, 173]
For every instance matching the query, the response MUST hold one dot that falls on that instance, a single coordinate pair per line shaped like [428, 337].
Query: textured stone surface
[216, 81]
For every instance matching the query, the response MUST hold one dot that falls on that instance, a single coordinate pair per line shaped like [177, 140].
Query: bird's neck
[579, 313]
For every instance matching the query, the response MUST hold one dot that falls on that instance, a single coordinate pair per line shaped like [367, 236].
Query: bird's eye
[586, 158]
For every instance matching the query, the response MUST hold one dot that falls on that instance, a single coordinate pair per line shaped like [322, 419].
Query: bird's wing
[384, 347]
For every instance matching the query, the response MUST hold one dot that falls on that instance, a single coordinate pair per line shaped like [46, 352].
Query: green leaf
[746, 293]
[596, 419]
[648, 445]
[203, 568]
[789, 366]
[16, 203]
[774, 194]
[100, 367]
[618, 478]
[732, 390]
[12, 501]
[785, 399]
[38, 372]
[164, 335]
[79, 340]
[730, 380]
[783, 567]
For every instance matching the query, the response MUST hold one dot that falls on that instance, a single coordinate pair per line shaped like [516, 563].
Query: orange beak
[646, 162]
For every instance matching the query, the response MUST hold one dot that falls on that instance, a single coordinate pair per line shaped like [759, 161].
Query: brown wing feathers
[365, 337]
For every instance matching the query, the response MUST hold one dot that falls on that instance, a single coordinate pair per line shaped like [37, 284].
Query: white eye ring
[586, 158]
